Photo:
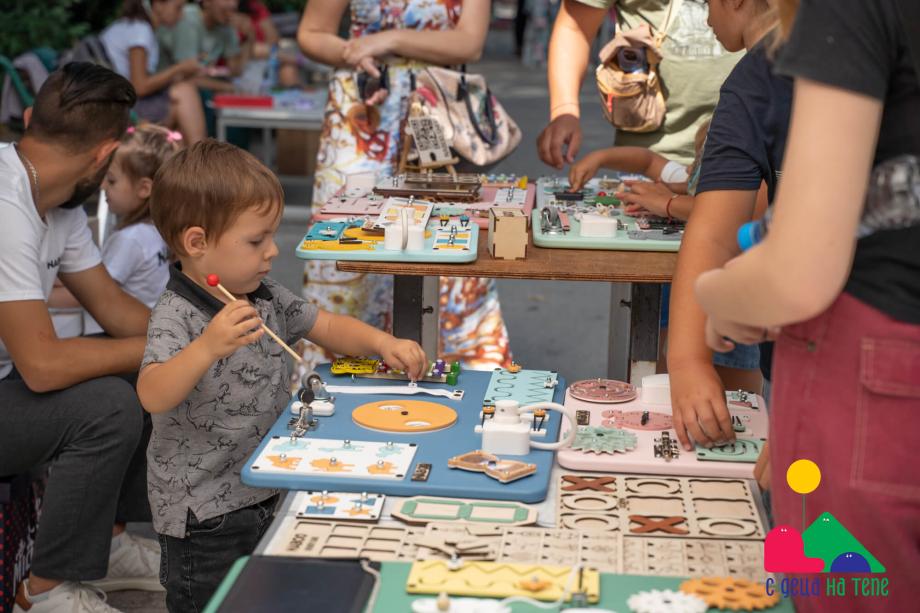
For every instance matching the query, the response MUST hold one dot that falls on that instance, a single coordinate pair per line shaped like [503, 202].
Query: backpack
[88, 49]
[628, 79]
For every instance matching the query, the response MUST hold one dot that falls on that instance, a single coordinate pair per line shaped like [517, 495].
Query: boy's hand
[583, 170]
[405, 355]
[236, 324]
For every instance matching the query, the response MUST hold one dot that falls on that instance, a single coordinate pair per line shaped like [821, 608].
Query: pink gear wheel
[603, 390]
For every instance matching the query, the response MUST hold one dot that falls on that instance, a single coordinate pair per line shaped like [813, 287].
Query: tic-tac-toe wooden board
[453, 243]
[660, 235]
[735, 460]
[431, 448]
[661, 507]
[362, 203]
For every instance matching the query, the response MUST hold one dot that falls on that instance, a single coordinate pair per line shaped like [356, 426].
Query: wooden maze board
[663, 507]
[525, 386]
[615, 553]
[454, 243]
[735, 460]
[631, 238]
[362, 203]
[432, 448]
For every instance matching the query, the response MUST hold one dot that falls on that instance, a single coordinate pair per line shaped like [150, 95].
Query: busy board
[593, 218]
[450, 241]
[359, 202]
[656, 449]
[435, 429]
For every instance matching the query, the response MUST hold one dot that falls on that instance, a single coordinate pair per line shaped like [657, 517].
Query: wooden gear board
[630, 238]
[364, 203]
[662, 507]
[615, 590]
[432, 448]
[371, 248]
[734, 461]
[615, 553]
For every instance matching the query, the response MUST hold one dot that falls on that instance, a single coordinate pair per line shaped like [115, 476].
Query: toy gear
[666, 601]
[730, 593]
[603, 440]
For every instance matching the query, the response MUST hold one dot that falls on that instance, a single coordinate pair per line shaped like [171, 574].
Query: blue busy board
[341, 436]
[454, 242]
[556, 218]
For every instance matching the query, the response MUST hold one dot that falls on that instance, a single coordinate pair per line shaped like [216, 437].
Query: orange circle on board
[404, 416]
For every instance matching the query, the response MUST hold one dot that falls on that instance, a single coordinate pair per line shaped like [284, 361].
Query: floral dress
[357, 138]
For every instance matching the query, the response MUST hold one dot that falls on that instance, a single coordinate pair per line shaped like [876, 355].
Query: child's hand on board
[406, 355]
[645, 197]
[583, 171]
[236, 324]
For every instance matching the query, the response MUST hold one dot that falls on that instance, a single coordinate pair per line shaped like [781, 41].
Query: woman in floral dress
[363, 137]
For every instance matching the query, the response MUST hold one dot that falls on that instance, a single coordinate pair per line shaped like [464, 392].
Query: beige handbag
[628, 78]
[474, 122]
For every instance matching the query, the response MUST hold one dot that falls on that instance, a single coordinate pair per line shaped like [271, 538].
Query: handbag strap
[670, 16]
[464, 94]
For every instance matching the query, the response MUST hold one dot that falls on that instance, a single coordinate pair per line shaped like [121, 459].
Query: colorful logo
[826, 546]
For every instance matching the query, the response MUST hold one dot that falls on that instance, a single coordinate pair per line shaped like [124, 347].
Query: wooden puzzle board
[423, 510]
[526, 386]
[335, 458]
[631, 238]
[363, 203]
[657, 506]
[615, 553]
[371, 248]
[498, 580]
[642, 459]
[432, 448]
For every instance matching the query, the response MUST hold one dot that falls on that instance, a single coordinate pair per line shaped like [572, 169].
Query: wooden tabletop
[555, 264]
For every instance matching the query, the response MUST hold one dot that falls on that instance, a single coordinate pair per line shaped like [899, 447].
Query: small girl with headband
[135, 254]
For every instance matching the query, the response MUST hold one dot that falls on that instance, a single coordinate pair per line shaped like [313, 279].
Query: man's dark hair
[80, 106]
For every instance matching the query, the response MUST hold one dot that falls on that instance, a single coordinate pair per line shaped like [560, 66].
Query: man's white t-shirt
[124, 34]
[32, 250]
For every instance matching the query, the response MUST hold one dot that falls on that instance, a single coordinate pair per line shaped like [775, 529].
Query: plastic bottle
[271, 71]
[753, 232]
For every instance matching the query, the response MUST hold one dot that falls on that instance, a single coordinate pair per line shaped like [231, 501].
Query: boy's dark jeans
[191, 568]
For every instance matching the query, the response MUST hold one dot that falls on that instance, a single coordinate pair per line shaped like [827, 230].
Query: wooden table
[635, 278]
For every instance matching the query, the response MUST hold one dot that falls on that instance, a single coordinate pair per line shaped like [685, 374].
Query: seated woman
[168, 97]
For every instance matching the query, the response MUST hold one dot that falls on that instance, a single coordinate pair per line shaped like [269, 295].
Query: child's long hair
[143, 150]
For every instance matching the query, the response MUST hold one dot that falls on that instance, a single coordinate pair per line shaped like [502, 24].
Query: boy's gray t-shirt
[198, 449]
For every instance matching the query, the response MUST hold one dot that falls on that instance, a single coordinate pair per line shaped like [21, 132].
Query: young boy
[212, 381]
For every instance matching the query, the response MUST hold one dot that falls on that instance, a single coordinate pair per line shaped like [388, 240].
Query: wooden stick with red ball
[214, 281]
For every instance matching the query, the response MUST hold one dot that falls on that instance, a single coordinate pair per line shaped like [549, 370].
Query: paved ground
[553, 325]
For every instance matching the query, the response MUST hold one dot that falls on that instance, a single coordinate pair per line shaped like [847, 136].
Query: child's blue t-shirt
[747, 135]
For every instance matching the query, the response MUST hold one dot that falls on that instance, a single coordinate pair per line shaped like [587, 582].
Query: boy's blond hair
[210, 185]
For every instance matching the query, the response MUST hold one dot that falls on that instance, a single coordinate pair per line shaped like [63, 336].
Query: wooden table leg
[632, 348]
[415, 311]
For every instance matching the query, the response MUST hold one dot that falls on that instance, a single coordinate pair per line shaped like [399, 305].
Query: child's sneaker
[134, 564]
[68, 597]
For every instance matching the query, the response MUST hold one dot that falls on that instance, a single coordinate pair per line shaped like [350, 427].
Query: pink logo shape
[784, 552]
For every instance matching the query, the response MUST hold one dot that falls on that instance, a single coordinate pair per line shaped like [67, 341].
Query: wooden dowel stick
[231, 297]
